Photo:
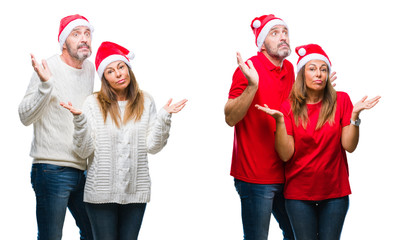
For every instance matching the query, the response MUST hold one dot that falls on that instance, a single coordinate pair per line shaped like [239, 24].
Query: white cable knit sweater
[118, 164]
[52, 124]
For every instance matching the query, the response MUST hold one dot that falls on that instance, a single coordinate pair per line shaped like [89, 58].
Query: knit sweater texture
[118, 162]
[52, 124]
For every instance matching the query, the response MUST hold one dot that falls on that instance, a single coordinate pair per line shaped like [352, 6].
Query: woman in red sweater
[314, 129]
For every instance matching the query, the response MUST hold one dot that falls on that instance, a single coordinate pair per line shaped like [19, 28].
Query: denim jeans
[322, 220]
[258, 202]
[112, 221]
[56, 189]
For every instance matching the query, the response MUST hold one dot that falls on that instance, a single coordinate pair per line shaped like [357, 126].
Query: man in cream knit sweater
[57, 172]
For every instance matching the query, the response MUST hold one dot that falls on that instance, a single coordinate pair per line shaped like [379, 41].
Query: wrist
[280, 120]
[355, 120]
[355, 116]
[44, 78]
[252, 86]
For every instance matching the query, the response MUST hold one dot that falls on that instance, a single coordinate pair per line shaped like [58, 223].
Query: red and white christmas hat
[262, 25]
[68, 23]
[109, 52]
[310, 52]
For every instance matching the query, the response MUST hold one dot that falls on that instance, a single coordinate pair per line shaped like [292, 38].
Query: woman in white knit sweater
[118, 127]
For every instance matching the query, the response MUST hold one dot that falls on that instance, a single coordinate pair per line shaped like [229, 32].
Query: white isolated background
[186, 49]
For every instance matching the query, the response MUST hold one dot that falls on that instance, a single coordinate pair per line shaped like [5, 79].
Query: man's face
[78, 43]
[277, 43]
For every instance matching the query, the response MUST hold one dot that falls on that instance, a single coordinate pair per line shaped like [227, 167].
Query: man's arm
[38, 94]
[235, 109]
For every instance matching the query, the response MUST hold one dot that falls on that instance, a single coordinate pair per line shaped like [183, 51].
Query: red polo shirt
[254, 157]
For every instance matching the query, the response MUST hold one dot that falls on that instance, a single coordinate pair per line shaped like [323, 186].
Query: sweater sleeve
[83, 136]
[158, 130]
[36, 98]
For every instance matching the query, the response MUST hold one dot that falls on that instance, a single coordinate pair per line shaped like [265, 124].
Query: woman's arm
[284, 143]
[159, 125]
[83, 139]
[350, 133]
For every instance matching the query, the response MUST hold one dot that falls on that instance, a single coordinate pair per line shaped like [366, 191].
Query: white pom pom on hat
[130, 55]
[301, 52]
[256, 24]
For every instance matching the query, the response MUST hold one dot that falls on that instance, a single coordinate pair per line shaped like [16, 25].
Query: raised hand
[274, 113]
[365, 104]
[42, 70]
[175, 108]
[250, 72]
[73, 110]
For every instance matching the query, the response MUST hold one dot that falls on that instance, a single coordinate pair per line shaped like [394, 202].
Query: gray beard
[77, 55]
[279, 54]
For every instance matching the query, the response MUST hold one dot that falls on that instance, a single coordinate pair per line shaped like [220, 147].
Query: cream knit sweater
[118, 164]
[52, 124]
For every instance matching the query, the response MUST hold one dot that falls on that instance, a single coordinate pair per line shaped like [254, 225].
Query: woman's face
[117, 75]
[316, 72]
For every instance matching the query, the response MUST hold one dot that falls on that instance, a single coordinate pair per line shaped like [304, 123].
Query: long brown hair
[109, 104]
[298, 97]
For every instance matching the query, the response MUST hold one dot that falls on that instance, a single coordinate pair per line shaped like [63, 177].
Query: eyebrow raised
[79, 28]
[121, 62]
[279, 26]
[314, 64]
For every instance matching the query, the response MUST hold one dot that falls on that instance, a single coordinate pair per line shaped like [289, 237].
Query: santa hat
[310, 52]
[68, 23]
[262, 25]
[109, 52]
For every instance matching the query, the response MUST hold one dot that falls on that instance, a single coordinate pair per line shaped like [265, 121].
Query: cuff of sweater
[79, 121]
[165, 116]
[46, 86]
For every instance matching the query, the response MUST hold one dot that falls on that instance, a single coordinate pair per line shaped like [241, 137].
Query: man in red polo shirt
[267, 78]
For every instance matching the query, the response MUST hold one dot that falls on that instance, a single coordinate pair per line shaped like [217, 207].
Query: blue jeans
[112, 221]
[258, 202]
[322, 220]
[56, 189]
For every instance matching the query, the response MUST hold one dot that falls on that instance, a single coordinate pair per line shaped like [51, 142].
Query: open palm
[274, 113]
[176, 107]
[69, 106]
[249, 70]
[365, 104]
